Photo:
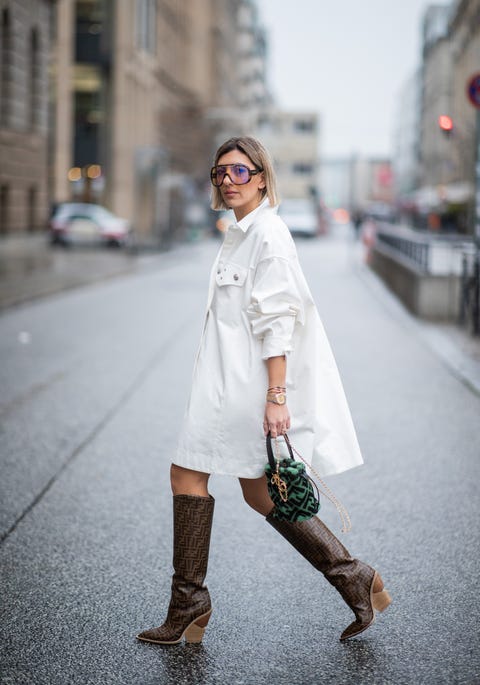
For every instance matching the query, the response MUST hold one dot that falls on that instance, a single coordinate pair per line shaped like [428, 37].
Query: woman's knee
[256, 496]
[188, 482]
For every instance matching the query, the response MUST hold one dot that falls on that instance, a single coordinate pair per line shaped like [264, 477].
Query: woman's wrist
[276, 396]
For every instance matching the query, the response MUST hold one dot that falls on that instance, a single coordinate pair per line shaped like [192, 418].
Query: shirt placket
[229, 244]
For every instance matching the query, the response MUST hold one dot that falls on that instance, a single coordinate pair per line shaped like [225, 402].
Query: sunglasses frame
[251, 172]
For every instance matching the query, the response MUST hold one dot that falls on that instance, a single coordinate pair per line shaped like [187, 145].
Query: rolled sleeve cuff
[275, 347]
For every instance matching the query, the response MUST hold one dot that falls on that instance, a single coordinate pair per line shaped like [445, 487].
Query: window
[5, 69]
[146, 25]
[304, 125]
[32, 208]
[303, 168]
[4, 209]
[34, 81]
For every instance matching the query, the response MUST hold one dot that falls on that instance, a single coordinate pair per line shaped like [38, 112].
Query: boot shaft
[192, 525]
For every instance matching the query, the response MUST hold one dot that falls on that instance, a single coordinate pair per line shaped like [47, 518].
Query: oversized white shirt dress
[259, 306]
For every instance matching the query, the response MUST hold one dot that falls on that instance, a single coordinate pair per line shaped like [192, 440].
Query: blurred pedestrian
[260, 313]
[357, 220]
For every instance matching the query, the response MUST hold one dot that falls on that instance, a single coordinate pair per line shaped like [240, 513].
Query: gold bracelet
[276, 397]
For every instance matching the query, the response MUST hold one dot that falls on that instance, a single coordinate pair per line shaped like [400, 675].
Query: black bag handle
[271, 458]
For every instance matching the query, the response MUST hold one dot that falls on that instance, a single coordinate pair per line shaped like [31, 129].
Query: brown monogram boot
[190, 606]
[360, 586]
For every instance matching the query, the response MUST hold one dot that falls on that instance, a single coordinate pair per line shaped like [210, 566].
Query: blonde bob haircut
[260, 160]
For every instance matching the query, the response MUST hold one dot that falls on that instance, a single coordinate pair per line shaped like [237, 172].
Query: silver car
[86, 223]
[301, 217]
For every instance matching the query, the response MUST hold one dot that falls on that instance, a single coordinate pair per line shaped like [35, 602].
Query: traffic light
[446, 124]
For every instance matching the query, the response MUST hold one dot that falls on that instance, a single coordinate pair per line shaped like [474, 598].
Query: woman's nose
[225, 179]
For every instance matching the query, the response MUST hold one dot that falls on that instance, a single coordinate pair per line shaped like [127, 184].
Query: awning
[431, 198]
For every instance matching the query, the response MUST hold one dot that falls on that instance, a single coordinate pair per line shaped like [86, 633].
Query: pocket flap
[231, 274]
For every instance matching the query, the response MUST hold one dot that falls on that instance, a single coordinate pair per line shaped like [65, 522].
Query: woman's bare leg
[255, 493]
[188, 482]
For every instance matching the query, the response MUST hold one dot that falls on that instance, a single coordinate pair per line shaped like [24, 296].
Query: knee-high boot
[360, 585]
[190, 606]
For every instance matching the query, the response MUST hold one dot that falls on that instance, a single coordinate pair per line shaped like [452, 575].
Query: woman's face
[244, 198]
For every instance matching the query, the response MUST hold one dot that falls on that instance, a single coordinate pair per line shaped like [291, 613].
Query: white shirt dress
[259, 306]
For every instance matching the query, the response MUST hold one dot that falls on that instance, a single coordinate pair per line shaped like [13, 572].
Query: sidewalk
[457, 348]
[30, 268]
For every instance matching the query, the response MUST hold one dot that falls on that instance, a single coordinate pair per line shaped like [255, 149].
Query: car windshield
[95, 212]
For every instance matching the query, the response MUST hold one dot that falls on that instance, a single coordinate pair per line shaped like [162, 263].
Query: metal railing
[447, 255]
[415, 249]
[469, 311]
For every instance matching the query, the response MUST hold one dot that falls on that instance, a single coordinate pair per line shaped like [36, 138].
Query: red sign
[473, 90]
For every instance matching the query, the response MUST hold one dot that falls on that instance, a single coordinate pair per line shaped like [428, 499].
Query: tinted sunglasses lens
[240, 174]
[217, 175]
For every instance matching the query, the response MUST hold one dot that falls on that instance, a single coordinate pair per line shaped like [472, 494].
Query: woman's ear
[262, 185]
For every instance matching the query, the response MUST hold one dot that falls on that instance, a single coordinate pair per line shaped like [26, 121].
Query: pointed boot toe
[152, 635]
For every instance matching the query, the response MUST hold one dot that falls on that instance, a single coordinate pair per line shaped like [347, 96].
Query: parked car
[85, 223]
[301, 217]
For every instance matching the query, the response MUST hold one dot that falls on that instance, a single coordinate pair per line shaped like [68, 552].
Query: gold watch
[276, 397]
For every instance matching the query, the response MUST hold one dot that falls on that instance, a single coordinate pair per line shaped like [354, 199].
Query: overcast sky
[346, 59]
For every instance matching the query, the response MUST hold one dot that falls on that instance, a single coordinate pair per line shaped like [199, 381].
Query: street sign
[473, 90]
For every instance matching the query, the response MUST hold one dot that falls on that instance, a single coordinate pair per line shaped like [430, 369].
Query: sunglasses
[239, 174]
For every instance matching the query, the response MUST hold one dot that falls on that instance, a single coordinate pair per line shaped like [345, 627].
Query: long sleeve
[276, 305]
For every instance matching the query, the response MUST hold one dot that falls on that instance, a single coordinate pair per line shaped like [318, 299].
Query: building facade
[128, 109]
[436, 98]
[25, 35]
[465, 40]
[145, 91]
[292, 139]
[443, 196]
[407, 140]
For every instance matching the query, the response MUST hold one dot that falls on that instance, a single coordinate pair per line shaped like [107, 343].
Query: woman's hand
[276, 419]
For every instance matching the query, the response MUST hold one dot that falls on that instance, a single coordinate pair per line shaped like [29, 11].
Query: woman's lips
[230, 193]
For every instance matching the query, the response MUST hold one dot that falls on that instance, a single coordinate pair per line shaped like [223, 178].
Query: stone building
[451, 56]
[144, 91]
[407, 139]
[130, 81]
[293, 141]
[25, 29]
[240, 59]
[436, 78]
[465, 41]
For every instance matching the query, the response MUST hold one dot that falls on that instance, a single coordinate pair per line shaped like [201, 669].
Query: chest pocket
[231, 274]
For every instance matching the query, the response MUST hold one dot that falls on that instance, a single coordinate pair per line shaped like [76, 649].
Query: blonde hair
[260, 159]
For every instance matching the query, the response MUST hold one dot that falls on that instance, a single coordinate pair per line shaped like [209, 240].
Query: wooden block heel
[194, 632]
[381, 600]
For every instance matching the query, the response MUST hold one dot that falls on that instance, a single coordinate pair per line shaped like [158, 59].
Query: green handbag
[294, 494]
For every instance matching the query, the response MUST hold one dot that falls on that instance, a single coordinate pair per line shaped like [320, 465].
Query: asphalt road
[93, 385]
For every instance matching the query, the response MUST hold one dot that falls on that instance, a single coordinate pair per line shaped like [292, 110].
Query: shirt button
[235, 277]
[219, 271]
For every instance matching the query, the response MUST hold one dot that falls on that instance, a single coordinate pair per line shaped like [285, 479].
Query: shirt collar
[245, 223]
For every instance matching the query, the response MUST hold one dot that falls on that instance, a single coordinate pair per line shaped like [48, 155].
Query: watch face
[281, 399]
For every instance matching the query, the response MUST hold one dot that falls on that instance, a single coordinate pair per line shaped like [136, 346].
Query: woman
[260, 313]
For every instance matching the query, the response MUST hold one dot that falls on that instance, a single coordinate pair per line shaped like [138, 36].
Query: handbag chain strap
[276, 480]
[326, 492]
